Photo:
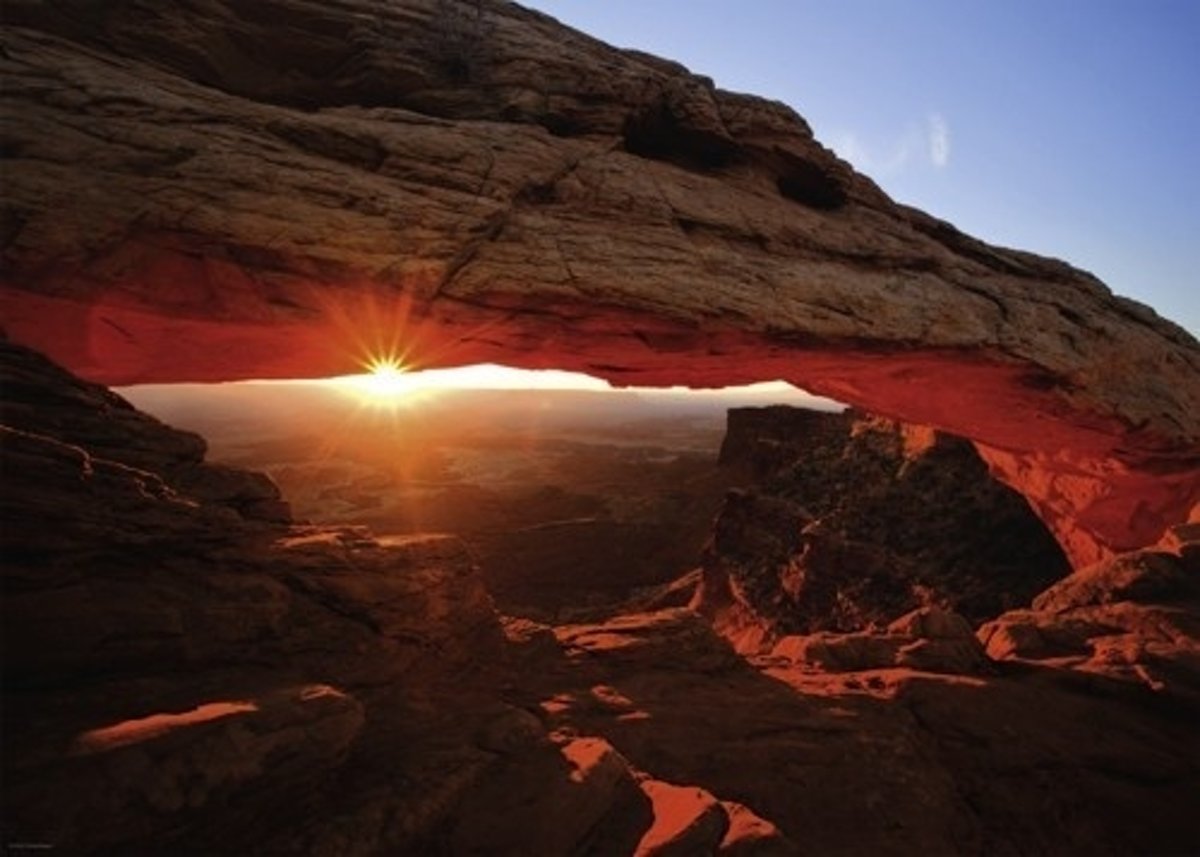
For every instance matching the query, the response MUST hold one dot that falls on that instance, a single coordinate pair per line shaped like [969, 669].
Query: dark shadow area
[658, 133]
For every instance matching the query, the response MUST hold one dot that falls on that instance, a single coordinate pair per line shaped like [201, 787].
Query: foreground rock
[929, 640]
[201, 191]
[1133, 617]
[847, 522]
[182, 675]
[880, 758]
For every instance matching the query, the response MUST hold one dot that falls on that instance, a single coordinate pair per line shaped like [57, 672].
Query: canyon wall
[846, 522]
[211, 190]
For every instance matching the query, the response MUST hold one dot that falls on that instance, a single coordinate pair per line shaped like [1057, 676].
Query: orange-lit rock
[928, 639]
[686, 821]
[168, 762]
[888, 756]
[194, 193]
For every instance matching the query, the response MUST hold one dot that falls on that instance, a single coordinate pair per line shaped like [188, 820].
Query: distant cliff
[846, 521]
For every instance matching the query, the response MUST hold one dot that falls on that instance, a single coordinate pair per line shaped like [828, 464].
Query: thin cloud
[917, 144]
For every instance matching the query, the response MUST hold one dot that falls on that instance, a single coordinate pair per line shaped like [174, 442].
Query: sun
[386, 383]
[386, 377]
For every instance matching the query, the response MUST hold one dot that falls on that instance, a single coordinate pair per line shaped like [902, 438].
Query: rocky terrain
[215, 190]
[200, 677]
[848, 521]
[285, 188]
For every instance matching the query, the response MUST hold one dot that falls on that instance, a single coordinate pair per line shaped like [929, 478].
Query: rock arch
[198, 193]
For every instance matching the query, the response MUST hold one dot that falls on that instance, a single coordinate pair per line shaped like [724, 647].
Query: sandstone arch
[215, 192]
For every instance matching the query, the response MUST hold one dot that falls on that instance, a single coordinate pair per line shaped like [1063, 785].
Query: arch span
[193, 192]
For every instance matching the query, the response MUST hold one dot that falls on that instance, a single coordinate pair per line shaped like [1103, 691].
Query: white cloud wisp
[928, 144]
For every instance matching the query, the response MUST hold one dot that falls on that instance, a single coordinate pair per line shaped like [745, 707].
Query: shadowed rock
[847, 522]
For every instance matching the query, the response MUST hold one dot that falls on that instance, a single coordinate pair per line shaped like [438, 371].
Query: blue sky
[1067, 127]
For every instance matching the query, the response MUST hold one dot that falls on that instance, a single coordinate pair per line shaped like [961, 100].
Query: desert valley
[566, 497]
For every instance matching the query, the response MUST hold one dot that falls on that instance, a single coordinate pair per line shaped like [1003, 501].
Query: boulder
[1132, 617]
[687, 820]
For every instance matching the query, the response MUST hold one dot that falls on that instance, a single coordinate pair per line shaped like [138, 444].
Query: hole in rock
[660, 135]
[571, 495]
[580, 501]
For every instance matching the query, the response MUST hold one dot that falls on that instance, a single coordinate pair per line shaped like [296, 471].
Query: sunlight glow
[387, 378]
[388, 384]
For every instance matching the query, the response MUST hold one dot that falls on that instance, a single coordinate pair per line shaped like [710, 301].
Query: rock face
[169, 650]
[41, 397]
[847, 522]
[213, 190]
[1132, 617]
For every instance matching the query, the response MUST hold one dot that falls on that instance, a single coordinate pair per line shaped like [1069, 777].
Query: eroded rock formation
[846, 521]
[215, 190]
[897, 742]
[1133, 616]
[183, 676]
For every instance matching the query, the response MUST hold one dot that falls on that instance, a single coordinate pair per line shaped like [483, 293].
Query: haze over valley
[570, 499]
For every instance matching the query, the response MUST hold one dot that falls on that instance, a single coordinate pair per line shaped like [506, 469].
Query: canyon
[214, 191]
[189, 670]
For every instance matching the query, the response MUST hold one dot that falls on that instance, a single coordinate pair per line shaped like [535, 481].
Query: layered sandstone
[214, 190]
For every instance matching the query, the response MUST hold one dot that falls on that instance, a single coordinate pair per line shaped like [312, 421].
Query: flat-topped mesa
[198, 193]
